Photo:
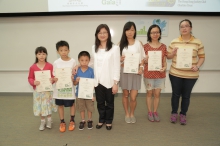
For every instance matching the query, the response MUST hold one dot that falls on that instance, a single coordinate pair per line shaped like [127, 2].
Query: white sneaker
[42, 125]
[133, 120]
[127, 119]
[49, 124]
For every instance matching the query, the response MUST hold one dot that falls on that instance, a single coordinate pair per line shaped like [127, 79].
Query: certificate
[154, 60]
[64, 78]
[131, 63]
[184, 58]
[86, 87]
[44, 78]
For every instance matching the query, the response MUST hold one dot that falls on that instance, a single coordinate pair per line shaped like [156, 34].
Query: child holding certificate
[86, 102]
[106, 62]
[183, 77]
[64, 92]
[132, 55]
[154, 70]
[43, 101]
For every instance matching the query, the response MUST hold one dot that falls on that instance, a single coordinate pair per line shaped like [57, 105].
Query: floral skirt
[43, 103]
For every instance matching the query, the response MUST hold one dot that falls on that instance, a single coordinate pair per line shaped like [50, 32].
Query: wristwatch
[116, 83]
[197, 67]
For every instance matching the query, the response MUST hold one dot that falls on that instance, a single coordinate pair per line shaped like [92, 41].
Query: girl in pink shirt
[43, 101]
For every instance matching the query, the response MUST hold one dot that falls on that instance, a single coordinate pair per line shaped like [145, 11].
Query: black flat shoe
[99, 126]
[108, 127]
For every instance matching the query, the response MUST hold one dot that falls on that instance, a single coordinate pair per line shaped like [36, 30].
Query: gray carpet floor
[19, 127]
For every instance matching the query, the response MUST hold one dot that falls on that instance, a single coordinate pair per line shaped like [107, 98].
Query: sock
[42, 120]
[72, 118]
[48, 118]
[62, 121]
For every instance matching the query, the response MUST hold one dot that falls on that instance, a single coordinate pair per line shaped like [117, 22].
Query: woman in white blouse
[129, 82]
[106, 57]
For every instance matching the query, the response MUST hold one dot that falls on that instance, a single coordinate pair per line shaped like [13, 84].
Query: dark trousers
[105, 104]
[181, 87]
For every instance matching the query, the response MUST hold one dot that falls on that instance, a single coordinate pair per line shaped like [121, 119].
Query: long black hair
[97, 41]
[124, 40]
[187, 20]
[40, 50]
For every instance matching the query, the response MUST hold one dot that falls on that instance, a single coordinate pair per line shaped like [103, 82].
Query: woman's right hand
[75, 69]
[122, 58]
[174, 51]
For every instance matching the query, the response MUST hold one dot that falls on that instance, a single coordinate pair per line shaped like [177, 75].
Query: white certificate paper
[184, 58]
[86, 87]
[131, 63]
[64, 78]
[44, 78]
[154, 60]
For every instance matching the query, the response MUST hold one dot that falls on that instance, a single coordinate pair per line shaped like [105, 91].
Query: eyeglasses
[186, 26]
[102, 33]
[155, 33]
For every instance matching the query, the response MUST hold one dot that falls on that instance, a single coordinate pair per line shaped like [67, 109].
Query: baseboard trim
[117, 95]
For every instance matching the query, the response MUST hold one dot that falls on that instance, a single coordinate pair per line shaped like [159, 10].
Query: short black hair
[40, 49]
[187, 20]
[61, 44]
[149, 39]
[84, 53]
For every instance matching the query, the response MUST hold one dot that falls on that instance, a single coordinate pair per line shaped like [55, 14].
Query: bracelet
[142, 66]
[116, 83]
[197, 67]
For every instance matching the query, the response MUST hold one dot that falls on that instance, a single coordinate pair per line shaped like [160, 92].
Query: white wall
[18, 6]
[208, 82]
[21, 35]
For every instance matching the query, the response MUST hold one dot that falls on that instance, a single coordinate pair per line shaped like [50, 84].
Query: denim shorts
[151, 84]
[64, 102]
